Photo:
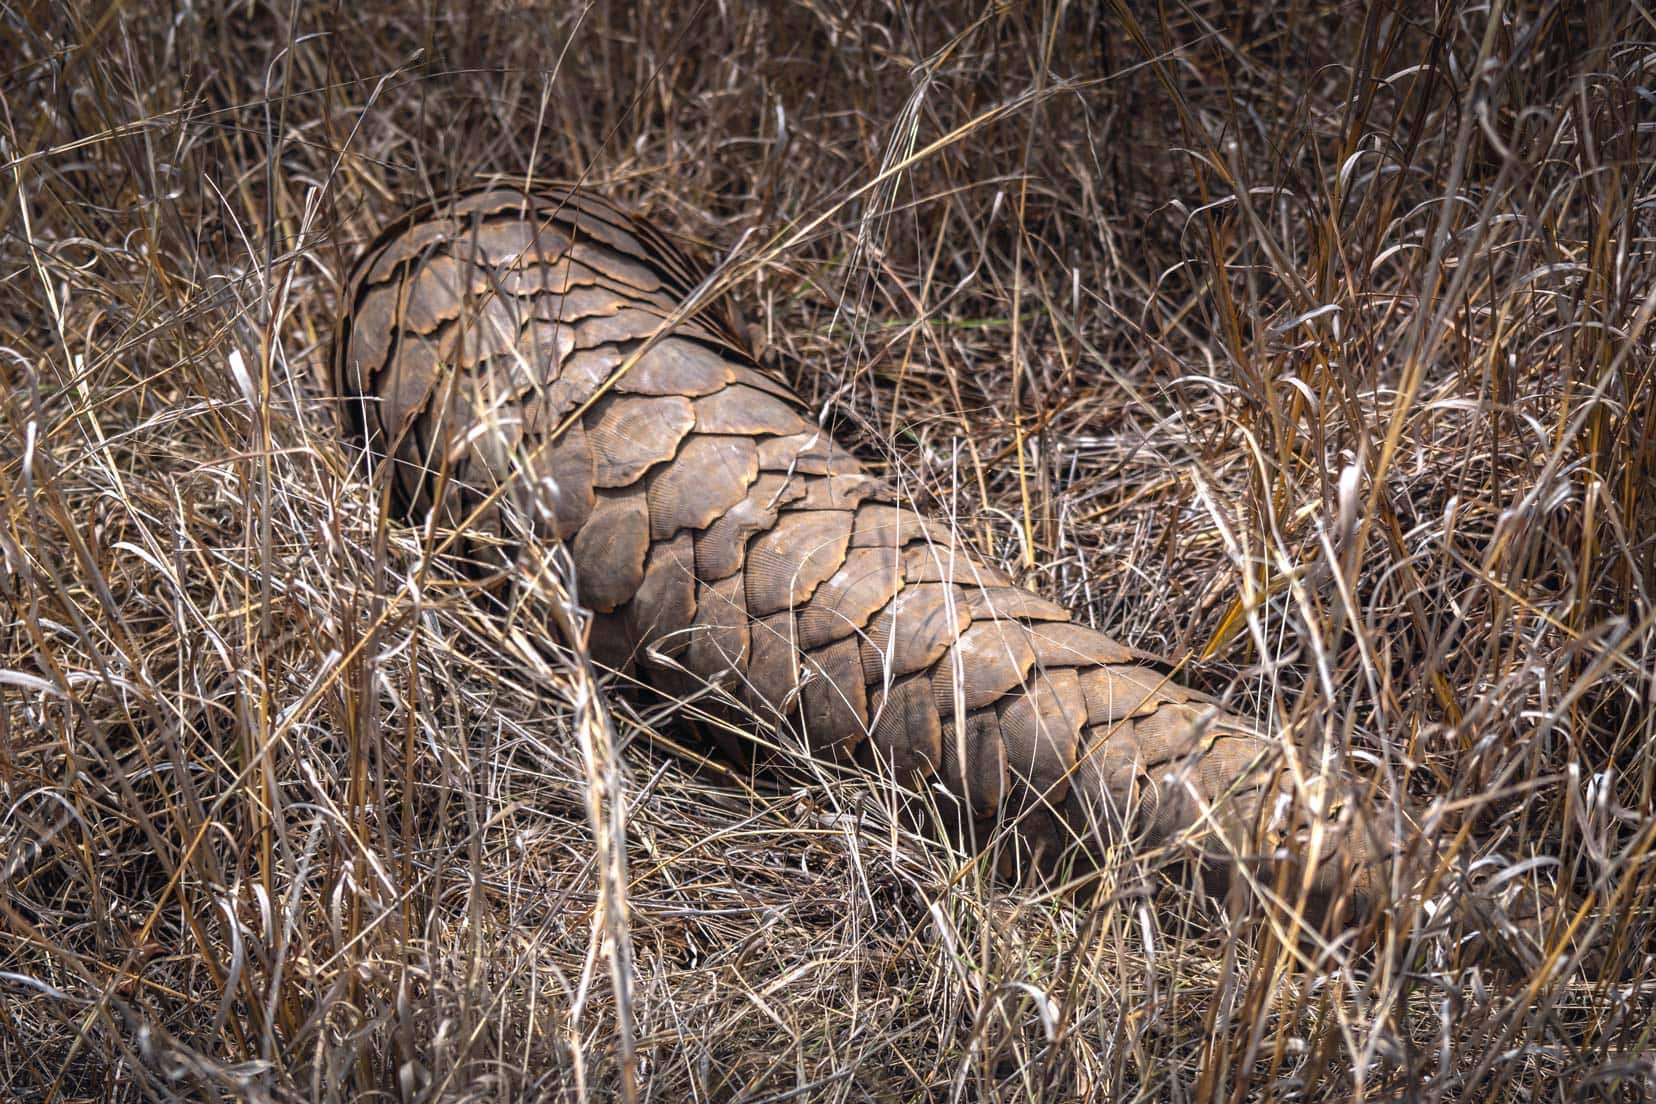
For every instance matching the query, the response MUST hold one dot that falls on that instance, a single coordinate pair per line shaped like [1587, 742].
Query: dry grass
[1312, 348]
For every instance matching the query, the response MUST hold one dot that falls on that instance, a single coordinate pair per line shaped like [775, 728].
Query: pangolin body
[525, 361]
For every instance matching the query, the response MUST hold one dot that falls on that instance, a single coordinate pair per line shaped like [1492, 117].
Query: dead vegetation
[1310, 350]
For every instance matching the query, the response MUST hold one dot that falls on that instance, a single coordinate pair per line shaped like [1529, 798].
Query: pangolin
[533, 365]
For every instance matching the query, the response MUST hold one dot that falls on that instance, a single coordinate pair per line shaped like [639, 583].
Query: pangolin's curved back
[521, 360]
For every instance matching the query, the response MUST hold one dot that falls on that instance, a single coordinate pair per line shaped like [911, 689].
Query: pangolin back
[525, 362]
